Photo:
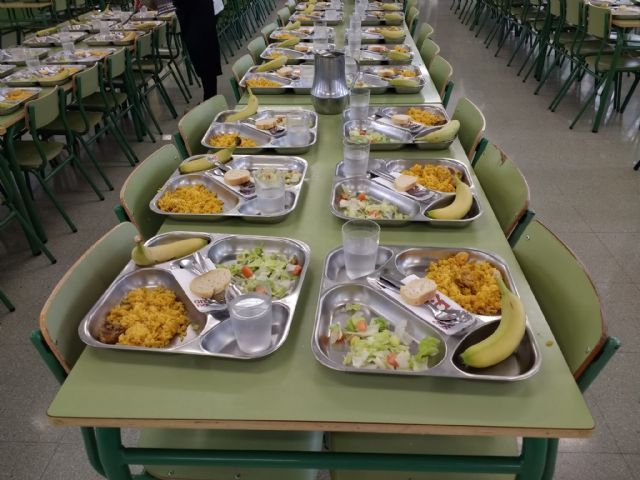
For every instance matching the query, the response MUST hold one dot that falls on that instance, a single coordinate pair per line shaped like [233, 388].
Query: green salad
[277, 270]
[373, 345]
[361, 205]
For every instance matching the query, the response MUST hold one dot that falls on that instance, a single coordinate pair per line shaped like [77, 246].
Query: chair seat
[420, 444]
[603, 64]
[28, 156]
[76, 122]
[95, 101]
[229, 440]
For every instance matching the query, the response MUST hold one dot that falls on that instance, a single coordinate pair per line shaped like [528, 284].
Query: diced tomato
[261, 289]
[392, 361]
[296, 271]
[246, 271]
[361, 325]
[362, 196]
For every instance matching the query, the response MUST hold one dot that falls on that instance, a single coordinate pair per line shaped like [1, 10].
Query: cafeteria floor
[582, 187]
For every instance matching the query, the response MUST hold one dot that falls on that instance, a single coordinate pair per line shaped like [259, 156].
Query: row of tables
[290, 390]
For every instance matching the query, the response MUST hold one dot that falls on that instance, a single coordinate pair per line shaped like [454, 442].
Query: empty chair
[267, 30]
[256, 47]
[472, 125]
[142, 185]
[283, 16]
[58, 343]
[441, 72]
[195, 123]
[428, 51]
[424, 31]
[505, 188]
[291, 5]
[412, 19]
[239, 68]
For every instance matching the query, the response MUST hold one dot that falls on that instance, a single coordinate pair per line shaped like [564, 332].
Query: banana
[46, 31]
[309, 9]
[398, 56]
[288, 43]
[206, 162]
[144, 256]
[507, 337]
[403, 82]
[389, 34]
[390, 7]
[445, 134]
[458, 208]
[292, 26]
[393, 17]
[250, 109]
[274, 64]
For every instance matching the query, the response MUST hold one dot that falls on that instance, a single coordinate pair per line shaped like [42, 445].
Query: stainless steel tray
[83, 55]
[300, 81]
[53, 39]
[238, 202]
[379, 17]
[139, 25]
[397, 7]
[303, 33]
[16, 55]
[213, 335]
[118, 39]
[414, 208]
[319, 6]
[89, 27]
[371, 35]
[280, 142]
[25, 77]
[378, 55]
[337, 290]
[379, 120]
[294, 57]
[6, 70]
[309, 19]
[8, 106]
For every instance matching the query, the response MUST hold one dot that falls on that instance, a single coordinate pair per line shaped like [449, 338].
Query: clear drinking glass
[359, 103]
[297, 128]
[31, 58]
[270, 191]
[356, 157]
[360, 240]
[251, 315]
[320, 35]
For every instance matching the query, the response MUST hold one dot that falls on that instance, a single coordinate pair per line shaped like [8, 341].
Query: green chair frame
[428, 51]
[441, 72]
[256, 47]
[267, 30]
[239, 68]
[472, 125]
[424, 31]
[195, 123]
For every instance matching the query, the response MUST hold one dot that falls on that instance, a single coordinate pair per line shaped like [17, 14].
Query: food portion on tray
[384, 34]
[396, 320]
[383, 17]
[170, 297]
[115, 38]
[18, 55]
[383, 54]
[6, 70]
[319, 6]
[45, 75]
[303, 33]
[53, 39]
[81, 55]
[11, 99]
[143, 25]
[331, 17]
[385, 6]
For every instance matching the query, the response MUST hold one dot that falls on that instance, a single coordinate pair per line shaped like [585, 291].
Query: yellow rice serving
[262, 82]
[426, 118]
[435, 177]
[470, 284]
[150, 317]
[225, 140]
[190, 199]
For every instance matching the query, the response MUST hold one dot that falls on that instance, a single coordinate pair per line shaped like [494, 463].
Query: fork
[418, 192]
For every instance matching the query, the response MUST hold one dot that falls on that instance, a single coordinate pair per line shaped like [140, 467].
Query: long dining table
[290, 391]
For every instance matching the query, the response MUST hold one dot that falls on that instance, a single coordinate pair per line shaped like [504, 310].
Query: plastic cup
[360, 240]
[359, 103]
[251, 315]
[355, 158]
[270, 191]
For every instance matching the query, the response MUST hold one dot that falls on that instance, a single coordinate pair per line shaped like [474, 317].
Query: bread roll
[266, 123]
[418, 291]
[405, 182]
[237, 177]
[401, 120]
[211, 283]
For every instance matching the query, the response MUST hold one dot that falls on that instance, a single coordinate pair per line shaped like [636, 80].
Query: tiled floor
[582, 186]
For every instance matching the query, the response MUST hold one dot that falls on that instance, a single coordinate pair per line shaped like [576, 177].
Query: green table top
[428, 94]
[290, 390]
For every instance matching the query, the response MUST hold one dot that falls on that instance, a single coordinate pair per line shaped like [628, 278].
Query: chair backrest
[598, 21]
[428, 51]
[283, 16]
[573, 14]
[144, 46]
[412, 18]
[80, 288]
[142, 185]
[195, 123]
[241, 66]
[565, 294]
[408, 4]
[472, 125]
[291, 5]
[424, 31]
[116, 64]
[87, 82]
[555, 8]
[267, 30]
[504, 185]
[256, 47]
[441, 72]
[43, 110]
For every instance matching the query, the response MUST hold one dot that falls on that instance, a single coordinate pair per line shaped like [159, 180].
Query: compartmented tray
[380, 55]
[372, 35]
[44, 75]
[319, 6]
[10, 101]
[16, 56]
[6, 70]
[299, 81]
[337, 290]
[385, 135]
[279, 140]
[139, 25]
[331, 17]
[208, 332]
[294, 57]
[387, 6]
[304, 33]
[115, 38]
[381, 17]
[89, 27]
[116, 16]
[240, 201]
[53, 39]
[80, 55]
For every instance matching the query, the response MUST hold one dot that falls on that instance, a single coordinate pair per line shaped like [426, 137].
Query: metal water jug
[330, 93]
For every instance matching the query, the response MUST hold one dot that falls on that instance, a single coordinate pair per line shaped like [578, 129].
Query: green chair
[60, 347]
[291, 5]
[412, 19]
[505, 188]
[441, 72]
[408, 4]
[239, 68]
[472, 125]
[43, 159]
[267, 30]
[7, 303]
[428, 51]
[570, 303]
[283, 16]
[424, 31]
[179, 143]
[256, 47]
[142, 185]
[195, 123]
